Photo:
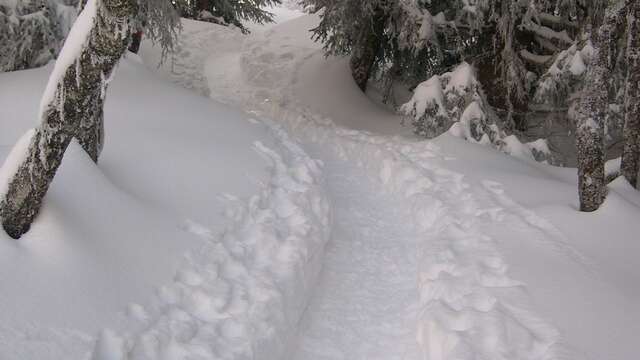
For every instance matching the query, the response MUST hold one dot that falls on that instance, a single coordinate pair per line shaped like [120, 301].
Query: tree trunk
[591, 123]
[90, 134]
[631, 155]
[91, 131]
[365, 52]
[73, 102]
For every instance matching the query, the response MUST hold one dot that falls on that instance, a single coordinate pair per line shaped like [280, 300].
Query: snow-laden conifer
[229, 12]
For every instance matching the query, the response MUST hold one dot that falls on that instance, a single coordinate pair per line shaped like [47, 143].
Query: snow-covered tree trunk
[590, 125]
[631, 155]
[363, 56]
[103, 31]
[90, 133]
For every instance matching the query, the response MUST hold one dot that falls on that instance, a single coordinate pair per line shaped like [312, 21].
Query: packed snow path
[364, 306]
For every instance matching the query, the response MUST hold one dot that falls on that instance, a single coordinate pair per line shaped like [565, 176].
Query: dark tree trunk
[365, 52]
[91, 131]
[202, 5]
[136, 41]
[63, 116]
[590, 122]
[590, 127]
[631, 155]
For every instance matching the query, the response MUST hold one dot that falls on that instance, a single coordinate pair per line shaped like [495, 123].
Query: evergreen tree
[232, 12]
[356, 28]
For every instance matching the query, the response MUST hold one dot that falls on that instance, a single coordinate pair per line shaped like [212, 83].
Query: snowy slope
[108, 235]
[509, 268]
[435, 250]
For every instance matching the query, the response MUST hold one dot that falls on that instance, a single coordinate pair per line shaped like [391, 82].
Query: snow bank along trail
[241, 295]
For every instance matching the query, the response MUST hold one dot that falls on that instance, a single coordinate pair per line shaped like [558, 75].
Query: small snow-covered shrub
[455, 102]
[452, 98]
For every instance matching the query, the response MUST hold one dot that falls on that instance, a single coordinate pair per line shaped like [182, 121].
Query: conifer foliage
[32, 32]
[228, 12]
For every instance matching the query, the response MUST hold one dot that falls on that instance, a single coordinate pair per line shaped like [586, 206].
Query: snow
[108, 236]
[13, 161]
[522, 230]
[427, 94]
[433, 91]
[613, 166]
[241, 294]
[577, 66]
[461, 78]
[440, 19]
[385, 247]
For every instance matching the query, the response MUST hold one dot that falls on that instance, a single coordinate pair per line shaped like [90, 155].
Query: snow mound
[108, 235]
[242, 294]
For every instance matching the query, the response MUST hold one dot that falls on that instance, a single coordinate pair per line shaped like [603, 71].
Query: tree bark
[365, 52]
[74, 101]
[591, 123]
[90, 134]
[631, 155]
[91, 131]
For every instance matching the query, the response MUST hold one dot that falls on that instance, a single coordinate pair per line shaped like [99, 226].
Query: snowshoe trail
[365, 303]
[409, 271]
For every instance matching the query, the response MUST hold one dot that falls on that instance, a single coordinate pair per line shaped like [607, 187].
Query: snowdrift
[109, 236]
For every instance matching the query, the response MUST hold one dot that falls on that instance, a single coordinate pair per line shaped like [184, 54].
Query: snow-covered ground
[171, 180]
[507, 269]
[434, 250]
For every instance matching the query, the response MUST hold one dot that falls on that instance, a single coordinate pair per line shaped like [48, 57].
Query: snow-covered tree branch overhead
[228, 12]
[161, 23]
[74, 95]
